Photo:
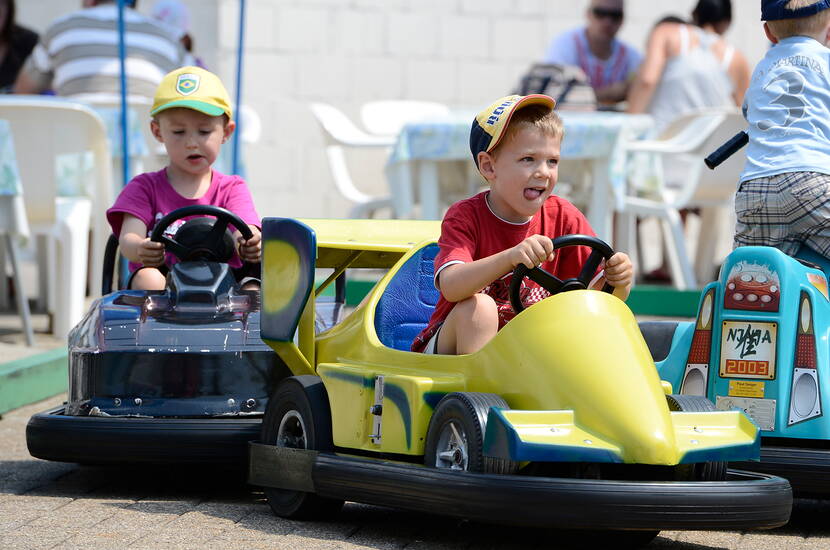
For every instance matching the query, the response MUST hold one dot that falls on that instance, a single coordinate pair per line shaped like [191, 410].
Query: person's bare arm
[739, 73]
[136, 246]
[25, 84]
[613, 93]
[460, 281]
[651, 70]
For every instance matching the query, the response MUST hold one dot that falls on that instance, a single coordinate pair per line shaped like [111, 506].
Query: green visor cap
[200, 106]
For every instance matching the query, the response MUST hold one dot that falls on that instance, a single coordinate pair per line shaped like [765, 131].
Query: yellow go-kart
[560, 421]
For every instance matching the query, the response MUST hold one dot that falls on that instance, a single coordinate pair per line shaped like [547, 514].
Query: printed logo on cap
[187, 83]
[497, 112]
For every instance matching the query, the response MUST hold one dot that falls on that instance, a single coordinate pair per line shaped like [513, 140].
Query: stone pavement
[48, 505]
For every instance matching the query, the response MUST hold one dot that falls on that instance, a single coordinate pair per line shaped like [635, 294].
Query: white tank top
[694, 79]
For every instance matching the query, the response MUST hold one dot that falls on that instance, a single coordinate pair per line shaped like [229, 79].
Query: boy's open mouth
[532, 193]
[194, 157]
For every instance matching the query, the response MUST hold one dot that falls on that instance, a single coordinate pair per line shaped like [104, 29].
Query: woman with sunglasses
[690, 66]
[607, 62]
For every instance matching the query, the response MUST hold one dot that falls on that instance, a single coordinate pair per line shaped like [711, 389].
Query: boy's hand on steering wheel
[619, 270]
[150, 253]
[531, 252]
[250, 250]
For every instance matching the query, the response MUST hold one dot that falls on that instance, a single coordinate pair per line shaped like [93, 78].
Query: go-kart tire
[707, 471]
[465, 413]
[299, 416]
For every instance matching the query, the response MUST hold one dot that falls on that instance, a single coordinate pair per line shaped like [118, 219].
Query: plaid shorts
[784, 211]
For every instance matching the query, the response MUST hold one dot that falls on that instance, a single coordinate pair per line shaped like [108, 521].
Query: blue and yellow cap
[774, 10]
[489, 125]
[192, 88]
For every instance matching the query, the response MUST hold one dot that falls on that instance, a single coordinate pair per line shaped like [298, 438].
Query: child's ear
[486, 165]
[156, 130]
[228, 130]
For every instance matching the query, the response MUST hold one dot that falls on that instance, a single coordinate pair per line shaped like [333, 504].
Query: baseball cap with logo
[192, 88]
[490, 124]
[774, 10]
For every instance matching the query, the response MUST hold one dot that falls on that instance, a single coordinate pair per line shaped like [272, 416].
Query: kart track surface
[55, 505]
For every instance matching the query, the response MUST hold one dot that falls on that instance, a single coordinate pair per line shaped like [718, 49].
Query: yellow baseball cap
[489, 124]
[192, 88]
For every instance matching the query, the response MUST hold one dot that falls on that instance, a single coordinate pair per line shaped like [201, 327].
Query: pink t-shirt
[149, 197]
[471, 231]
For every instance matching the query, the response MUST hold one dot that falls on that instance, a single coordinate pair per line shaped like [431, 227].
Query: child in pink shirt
[192, 118]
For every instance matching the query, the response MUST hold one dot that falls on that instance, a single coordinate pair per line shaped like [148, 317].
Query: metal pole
[122, 57]
[240, 45]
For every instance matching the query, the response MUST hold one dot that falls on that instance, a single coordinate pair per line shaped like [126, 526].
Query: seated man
[78, 53]
[608, 62]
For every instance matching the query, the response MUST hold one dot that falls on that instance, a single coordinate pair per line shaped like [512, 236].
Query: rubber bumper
[52, 435]
[808, 470]
[744, 501]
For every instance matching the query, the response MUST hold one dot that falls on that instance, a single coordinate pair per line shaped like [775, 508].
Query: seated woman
[690, 67]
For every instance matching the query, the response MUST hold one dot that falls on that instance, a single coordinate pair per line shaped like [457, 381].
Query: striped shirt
[78, 53]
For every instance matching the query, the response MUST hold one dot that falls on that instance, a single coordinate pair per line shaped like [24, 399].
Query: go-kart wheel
[455, 438]
[705, 471]
[299, 417]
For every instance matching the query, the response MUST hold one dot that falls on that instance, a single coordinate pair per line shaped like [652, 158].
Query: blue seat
[408, 301]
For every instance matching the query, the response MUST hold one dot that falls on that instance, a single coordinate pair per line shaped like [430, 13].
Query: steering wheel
[201, 238]
[599, 251]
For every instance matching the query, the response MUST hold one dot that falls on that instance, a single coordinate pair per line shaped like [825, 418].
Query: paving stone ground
[48, 505]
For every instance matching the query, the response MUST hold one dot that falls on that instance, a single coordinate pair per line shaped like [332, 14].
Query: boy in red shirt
[515, 143]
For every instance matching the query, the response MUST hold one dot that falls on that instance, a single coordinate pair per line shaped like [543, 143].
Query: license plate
[747, 350]
[761, 411]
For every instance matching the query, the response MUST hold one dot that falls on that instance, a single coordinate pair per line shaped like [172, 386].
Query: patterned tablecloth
[588, 135]
[12, 209]
[595, 137]
[9, 176]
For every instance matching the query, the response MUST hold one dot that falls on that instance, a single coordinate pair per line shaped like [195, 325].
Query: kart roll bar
[726, 150]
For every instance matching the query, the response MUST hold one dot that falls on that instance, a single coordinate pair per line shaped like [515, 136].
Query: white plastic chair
[147, 156]
[690, 139]
[340, 133]
[43, 130]
[386, 117]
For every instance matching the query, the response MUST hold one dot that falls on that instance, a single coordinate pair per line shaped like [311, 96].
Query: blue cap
[773, 10]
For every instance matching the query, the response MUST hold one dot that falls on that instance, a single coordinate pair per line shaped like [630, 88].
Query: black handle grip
[726, 150]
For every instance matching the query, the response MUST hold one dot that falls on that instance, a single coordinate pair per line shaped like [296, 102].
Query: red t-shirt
[471, 231]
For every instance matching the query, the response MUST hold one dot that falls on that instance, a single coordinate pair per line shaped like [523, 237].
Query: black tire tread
[477, 406]
[309, 392]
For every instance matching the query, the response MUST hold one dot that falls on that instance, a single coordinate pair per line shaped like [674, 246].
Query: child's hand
[619, 271]
[531, 252]
[150, 253]
[250, 250]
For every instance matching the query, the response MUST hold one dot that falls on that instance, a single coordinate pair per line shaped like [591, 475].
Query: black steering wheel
[201, 238]
[599, 251]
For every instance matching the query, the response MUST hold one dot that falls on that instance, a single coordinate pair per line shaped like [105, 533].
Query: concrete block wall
[465, 53]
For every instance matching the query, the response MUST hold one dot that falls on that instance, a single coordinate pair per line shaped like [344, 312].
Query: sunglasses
[603, 13]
